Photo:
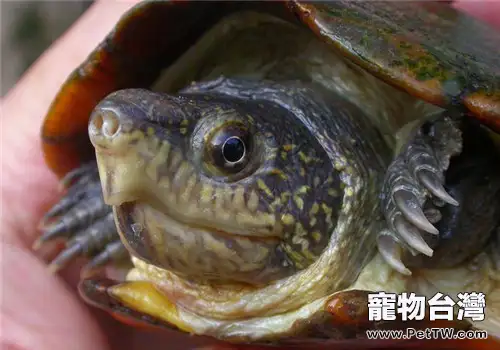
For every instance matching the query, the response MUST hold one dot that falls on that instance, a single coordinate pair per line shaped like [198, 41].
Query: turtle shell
[427, 49]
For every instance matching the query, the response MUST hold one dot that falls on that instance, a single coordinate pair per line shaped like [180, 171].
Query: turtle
[261, 170]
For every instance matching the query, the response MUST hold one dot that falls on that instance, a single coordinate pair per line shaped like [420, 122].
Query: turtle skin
[414, 185]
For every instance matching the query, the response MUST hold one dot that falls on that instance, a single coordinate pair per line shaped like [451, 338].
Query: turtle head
[213, 187]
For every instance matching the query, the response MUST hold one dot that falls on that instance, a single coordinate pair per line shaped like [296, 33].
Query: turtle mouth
[127, 208]
[152, 234]
[123, 201]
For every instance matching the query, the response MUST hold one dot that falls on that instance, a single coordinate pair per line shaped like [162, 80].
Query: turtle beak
[121, 169]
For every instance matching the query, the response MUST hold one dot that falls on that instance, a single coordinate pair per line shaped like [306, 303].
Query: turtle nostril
[96, 122]
[106, 123]
[110, 124]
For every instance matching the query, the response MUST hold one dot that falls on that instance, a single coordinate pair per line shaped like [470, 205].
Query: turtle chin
[196, 252]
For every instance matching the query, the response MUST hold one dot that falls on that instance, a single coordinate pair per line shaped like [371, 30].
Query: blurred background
[27, 28]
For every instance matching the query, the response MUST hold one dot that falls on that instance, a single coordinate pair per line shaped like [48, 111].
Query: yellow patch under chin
[144, 297]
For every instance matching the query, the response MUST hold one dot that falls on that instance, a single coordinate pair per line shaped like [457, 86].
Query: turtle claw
[412, 236]
[66, 256]
[84, 221]
[409, 206]
[415, 178]
[114, 251]
[75, 215]
[432, 182]
[391, 251]
[82, 175]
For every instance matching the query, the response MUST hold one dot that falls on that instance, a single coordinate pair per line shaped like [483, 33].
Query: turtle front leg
[440, 196]
[84, 221]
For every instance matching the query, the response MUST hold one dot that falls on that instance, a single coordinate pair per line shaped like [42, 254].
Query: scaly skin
[243, 251]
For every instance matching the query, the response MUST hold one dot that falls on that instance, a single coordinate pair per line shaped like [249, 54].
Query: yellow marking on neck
[299, 230]
[328, 213]
[295, 257]
[314, 209]
[266, 219]
[181, 174]
[313, 221]
[186, 194]
[306, 252]
[304, 245]
[219, 198]
[326, 209]
[316, 236]
[304, 158]
[303, 189]
[262, 186]
[287, 219]
[275, 203]
[253, 201]
[206, 193]
[279, 173]
[239, 199]
[284, 196]
[160, 158]
[299, 239]
[299, 202]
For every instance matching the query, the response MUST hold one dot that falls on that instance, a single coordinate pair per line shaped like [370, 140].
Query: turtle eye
[229, 148]
[233, 150]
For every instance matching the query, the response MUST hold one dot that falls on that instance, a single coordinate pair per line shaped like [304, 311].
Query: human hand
[40, 310]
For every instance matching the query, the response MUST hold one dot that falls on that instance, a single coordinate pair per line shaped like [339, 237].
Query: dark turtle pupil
[233, 149]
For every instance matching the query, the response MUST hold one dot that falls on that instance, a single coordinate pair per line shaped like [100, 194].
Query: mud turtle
[267, 165]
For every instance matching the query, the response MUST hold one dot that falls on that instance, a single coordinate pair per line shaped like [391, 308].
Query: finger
[38, 311]
[28, 185]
